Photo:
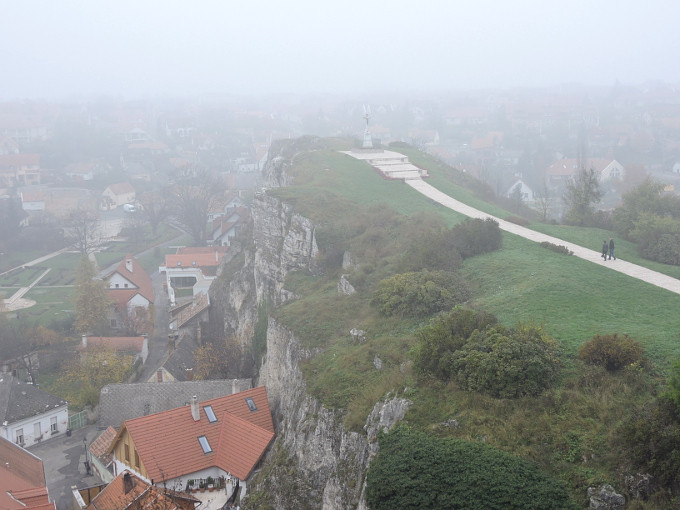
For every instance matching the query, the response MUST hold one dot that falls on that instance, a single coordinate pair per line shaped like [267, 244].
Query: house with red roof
[22, 480]
[130, 491]
[223, 439]
[136, 346]
[560, 171]
[117, 195]
[19, 170]
[192, 268]
[131, 291]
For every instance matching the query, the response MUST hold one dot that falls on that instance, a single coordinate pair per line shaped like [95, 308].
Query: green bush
[506, 363]
[475, 236]
[445, 334]
[611, 351]
[557, 248]
[420, 294]
[651, 438]
[414, 470]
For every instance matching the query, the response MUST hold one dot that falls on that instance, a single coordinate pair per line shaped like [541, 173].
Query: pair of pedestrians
[608, 249]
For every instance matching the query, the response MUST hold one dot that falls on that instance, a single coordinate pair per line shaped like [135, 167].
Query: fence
[78, 420]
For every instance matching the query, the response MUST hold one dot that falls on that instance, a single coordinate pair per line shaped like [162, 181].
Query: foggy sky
[54, 49]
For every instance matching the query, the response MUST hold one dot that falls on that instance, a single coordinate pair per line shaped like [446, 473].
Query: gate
[78, 420]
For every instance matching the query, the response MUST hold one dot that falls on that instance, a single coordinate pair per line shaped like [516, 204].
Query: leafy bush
[445, 334]
[651, 438]
[414, 470]
[518, 220]
[557, 248]
[658, 238]
[420, 294]
[611, 351]
[434, 250]
[506, 363]
[476, 236]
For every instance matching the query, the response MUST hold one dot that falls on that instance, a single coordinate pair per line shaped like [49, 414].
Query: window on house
[210, 414]
[126, 285]
[204, 444]
[37, 431]
[114, 323]
[19, 436]
[127, 453]
[53, 424]
[251, 404]
[136, 459]
[117, 285]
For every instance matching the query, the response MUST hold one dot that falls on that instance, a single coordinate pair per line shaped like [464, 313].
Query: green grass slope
[572, 298]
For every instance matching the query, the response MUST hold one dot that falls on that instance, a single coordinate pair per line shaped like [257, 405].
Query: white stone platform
[390, 164]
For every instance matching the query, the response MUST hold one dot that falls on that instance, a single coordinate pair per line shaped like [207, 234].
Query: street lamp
[87, 464]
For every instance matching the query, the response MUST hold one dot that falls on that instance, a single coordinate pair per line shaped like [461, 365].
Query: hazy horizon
[56, 50]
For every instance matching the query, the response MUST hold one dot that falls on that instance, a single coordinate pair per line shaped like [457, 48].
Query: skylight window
[204, 444]
[251, 404]
[210, 414]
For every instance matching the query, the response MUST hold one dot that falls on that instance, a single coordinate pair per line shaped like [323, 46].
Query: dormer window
[204, 444]
[251, 404]
[210, 414]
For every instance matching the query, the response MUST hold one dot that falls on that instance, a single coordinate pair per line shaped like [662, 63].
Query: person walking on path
[611, 248]
[605, 249]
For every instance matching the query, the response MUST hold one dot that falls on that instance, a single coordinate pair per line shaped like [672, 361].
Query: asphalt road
[64, 461]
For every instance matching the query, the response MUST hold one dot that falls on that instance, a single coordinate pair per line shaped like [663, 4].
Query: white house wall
[121, 281]
[45, 420]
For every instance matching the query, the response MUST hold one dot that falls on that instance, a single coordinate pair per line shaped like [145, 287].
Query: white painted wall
[28, 425]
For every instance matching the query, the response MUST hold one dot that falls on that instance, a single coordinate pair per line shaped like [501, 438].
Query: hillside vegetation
[573, 429]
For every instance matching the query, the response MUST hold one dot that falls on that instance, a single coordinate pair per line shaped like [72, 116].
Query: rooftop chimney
[234, 386]
[194, 408]
[189, 372]
[128, 484]
[128, 265]
[84, 340]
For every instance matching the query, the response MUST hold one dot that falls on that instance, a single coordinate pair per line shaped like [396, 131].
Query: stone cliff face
[314, 462]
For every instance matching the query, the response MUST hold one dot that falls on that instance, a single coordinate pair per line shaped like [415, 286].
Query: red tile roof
[137, 276]
[117, 343]
[204, 256]
[168, 445]
[32, 196]
[100, 446]
[14, 161]
[140, 494]
[22, 479]
[121, 188]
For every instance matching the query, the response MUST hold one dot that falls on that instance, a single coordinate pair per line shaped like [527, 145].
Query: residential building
[128, 490]
[117, 195]
[192, 268]
[32, 200]
[223, 439]
[131, 292]
[560, 171]
[523, 189]
[22, 480]
[120, 402]
[100, 461]
[19, 170]
[135, 346]
[79, 172]
[28, 414]
[179, 364]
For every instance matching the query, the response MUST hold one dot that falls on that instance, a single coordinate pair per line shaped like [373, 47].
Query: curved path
[639, 272]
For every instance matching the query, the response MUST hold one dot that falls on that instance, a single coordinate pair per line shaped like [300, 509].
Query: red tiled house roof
[168, 445]
[137, 276]
[22, 479]
[129, 491]
[117, 343]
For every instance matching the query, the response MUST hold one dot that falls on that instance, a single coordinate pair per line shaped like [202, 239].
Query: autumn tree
[217, 359]
[94, 369]
[582, 194]
[91, 302]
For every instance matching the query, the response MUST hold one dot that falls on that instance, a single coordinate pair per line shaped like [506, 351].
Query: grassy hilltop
[570, 430]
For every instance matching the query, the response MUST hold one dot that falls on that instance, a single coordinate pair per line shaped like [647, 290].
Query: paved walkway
[639, 272]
